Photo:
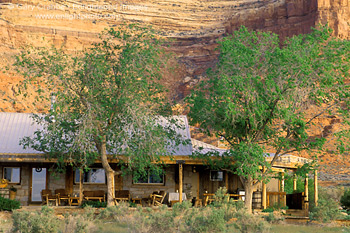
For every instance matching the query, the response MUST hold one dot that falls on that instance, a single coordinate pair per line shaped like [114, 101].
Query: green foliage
[207, 220]
[259, 92]
[345, 199]
[114, 212]
[9, 205]
[327, 208]
[94, 204]
[41, 221]
[268, 210]
[274, 217]
[246, 222]
[80, 223]
[108, 100]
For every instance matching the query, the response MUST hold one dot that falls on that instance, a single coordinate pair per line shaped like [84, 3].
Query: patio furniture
[137, 201]
[97, 195]
[121, 195]
[158, 198]
[46, 196]
[62, 195]
[208, 198]
[74, 201]
[175, 197]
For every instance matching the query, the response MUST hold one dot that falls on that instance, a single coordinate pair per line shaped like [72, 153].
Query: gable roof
[15, 126]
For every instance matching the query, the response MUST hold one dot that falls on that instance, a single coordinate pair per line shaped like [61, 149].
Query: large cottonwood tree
[108, 103]
[258, 96]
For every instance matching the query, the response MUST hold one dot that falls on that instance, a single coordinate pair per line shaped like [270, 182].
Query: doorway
[38, 183]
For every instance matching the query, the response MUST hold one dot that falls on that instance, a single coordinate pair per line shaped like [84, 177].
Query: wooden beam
[226, 181]
[294, 182]
[264, 197]
[306, 188]
[316, 187]
[180, 182]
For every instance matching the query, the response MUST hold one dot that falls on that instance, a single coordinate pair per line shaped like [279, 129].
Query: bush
[9, 205]
[247, 222]
[274, 217]
[94, 204]
[81, 223]
[326, 210]
[345, 199]
[114, 212]
[206, 220]
[40, 222]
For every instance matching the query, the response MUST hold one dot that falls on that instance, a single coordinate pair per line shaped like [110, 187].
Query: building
[29, 170]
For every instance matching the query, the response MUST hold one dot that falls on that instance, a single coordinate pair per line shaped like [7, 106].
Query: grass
[306, 229]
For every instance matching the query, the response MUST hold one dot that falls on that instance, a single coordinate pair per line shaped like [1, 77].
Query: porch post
[316, 187]
[294, 182]
[264, 192]
[180, 182]
[307, 188]
[226, 181]
[283, 197]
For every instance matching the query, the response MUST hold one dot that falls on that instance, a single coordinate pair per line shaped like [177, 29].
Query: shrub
[206, 220]
[345, 199]
[247, 222]
[114, 212]
[274, 217]
[81, 223]
[181, 208]
[40, 222]
[9, 205]
[326, 210]
[95, 204]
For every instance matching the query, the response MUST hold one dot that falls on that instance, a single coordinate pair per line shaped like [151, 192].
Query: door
[38, 183]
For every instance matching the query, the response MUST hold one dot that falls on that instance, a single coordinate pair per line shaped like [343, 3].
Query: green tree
[258, 95]
[108, 101]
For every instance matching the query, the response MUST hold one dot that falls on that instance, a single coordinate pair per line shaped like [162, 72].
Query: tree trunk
[109, 173]
[249, 187]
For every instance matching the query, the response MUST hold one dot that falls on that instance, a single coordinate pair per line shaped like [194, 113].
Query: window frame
[76, 172]
[148, 181]
[217, 179]
[10, 182]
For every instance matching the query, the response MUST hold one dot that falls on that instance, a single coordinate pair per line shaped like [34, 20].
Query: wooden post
[316, 187]
[307, 188]
[226, 181]
[180, 182]
[264, 192]
[81, 179]
[283, 197]
[294, 182]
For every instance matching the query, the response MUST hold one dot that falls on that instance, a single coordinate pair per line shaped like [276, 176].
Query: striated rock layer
[195, 25]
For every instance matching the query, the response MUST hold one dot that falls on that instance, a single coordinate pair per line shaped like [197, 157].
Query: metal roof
[203, 148]
[15, 126]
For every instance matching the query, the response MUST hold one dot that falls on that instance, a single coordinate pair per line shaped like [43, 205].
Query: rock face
[194, 25]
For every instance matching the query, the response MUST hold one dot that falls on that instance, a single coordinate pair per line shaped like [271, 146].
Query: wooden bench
[97, 195]
[121, 195]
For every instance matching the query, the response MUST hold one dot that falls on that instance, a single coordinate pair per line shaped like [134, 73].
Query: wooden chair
[121, 195]
[97, 195]
[46, 196]
[62, 195]
[157, 199]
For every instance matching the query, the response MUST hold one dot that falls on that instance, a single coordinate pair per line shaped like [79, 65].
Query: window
[12, 174]
[151, 179]
[216, 175]
[93, 176]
